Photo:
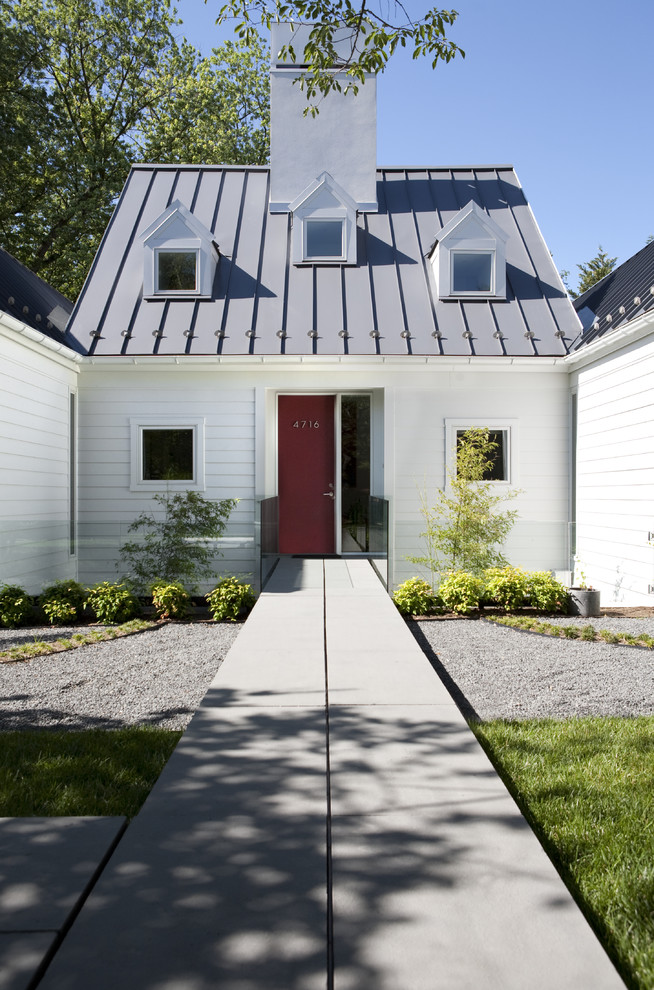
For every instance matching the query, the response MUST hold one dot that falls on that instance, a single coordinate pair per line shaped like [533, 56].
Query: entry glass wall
[355, 473]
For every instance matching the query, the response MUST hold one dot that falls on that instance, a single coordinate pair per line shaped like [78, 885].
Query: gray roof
[29, 299]
[621, 296]
[262, 304]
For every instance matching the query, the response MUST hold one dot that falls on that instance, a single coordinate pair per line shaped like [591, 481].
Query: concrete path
[328, 820]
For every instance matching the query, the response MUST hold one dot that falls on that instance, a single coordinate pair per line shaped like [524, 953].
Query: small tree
[596, 269]
[176, 547]
[465, 528]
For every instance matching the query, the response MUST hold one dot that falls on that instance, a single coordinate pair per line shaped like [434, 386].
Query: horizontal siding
[34, 463]
[615, 475]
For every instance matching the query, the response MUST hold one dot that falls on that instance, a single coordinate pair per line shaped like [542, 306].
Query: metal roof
[621, 296]
[29, 299]
[262, 304]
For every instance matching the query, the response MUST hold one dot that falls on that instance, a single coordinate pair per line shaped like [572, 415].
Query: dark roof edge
[168, 167]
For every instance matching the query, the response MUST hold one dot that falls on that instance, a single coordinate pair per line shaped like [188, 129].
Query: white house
[309, 338]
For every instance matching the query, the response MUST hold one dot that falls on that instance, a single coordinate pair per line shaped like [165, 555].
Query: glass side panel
[177, 271]
[324, 238]
[168, 455]
[471, 271]
[355, 473]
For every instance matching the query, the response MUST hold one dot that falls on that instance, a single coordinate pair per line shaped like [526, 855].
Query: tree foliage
[369, 32]
[465, 527]
[89, 86]
[594, 270]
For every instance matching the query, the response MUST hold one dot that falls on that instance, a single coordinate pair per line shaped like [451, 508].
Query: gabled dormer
[179, 256]
[324, 224]
[469, 256]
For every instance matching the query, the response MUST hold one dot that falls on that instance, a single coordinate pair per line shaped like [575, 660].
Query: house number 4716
[306, 424]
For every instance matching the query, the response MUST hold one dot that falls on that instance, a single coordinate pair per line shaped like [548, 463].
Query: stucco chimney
[340, 140]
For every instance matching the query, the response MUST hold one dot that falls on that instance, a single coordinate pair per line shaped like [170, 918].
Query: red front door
[306, 473]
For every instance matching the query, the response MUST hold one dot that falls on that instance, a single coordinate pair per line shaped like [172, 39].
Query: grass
[38, 648]
[588, 632]
[81, 773]
[586, 787]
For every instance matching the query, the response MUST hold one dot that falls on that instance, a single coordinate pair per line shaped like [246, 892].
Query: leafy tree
[87, 87]
[177, 546]
[371, 32]
[594, 270]
[465, 527]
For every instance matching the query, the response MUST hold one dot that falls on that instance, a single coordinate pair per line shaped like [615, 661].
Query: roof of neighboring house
[618, 298]
[29, 299]
[263, 304]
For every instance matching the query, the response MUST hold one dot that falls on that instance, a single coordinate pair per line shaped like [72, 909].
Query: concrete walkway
[328, 820]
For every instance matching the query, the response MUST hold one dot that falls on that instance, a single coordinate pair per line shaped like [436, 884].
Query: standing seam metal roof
[386, 304]
[621, 296]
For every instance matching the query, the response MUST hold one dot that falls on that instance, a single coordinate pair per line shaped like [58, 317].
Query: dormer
[324, 224]
[469, 257]
[180, 256]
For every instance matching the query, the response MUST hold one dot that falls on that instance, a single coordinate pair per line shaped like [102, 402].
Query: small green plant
[414, 597]
[229, 599]
[588, 633]
[62, 602]
[178, 546]
[545, 593]
[608, 636]
[461, 592]
[112, 602]
[506, 586]
[170, 599]
[15, 606]
[571, 632]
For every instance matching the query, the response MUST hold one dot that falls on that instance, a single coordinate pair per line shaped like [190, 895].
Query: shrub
[414, 597]
[62, 601]
[571, 632]
[608, 636]
[229, 599]
[507, 586]
[15, 606]
[588, 633]
[112, 602]
[545, 593]
[461, 592]
[170, 599]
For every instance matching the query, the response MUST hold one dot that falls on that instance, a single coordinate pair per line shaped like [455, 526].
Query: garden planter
[584, 602]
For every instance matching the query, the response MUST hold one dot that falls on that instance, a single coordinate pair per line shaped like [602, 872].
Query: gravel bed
[157, 677]
[497, 672]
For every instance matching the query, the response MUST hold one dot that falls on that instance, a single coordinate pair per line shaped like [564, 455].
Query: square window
[498, 457]
[177, 271]
[472, 271]
[168, 455]
[324, 238]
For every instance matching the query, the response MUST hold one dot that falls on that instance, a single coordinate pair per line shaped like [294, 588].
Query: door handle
[331, 494]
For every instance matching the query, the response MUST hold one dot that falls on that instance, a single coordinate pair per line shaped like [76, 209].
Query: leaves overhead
[357, 39]
[86, 88]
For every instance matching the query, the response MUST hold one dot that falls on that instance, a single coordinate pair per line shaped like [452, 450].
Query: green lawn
[587, 787]
[81, 773]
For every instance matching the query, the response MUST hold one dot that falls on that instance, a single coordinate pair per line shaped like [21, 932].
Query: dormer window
[177, 271]
[180, 256]
[324, 225]
[323, 239]
[469, 257]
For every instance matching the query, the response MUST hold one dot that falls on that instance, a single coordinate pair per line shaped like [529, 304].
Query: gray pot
[584, 602]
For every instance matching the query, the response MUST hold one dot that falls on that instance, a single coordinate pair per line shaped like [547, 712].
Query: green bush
[170, 599]
[62, 602]
[506, 586]
[588, 633]
[461, 592]
[229, 599]
[112, 602]
[414, 597]
[15, 606]
[545, 593]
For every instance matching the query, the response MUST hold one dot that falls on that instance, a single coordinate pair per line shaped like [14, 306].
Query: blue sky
[561, 90]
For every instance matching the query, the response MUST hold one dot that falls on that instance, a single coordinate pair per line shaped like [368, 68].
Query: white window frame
[342, 221]
[137, 425]
[177, 248]
[470, 231]
[489, 253]
[509, 427]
